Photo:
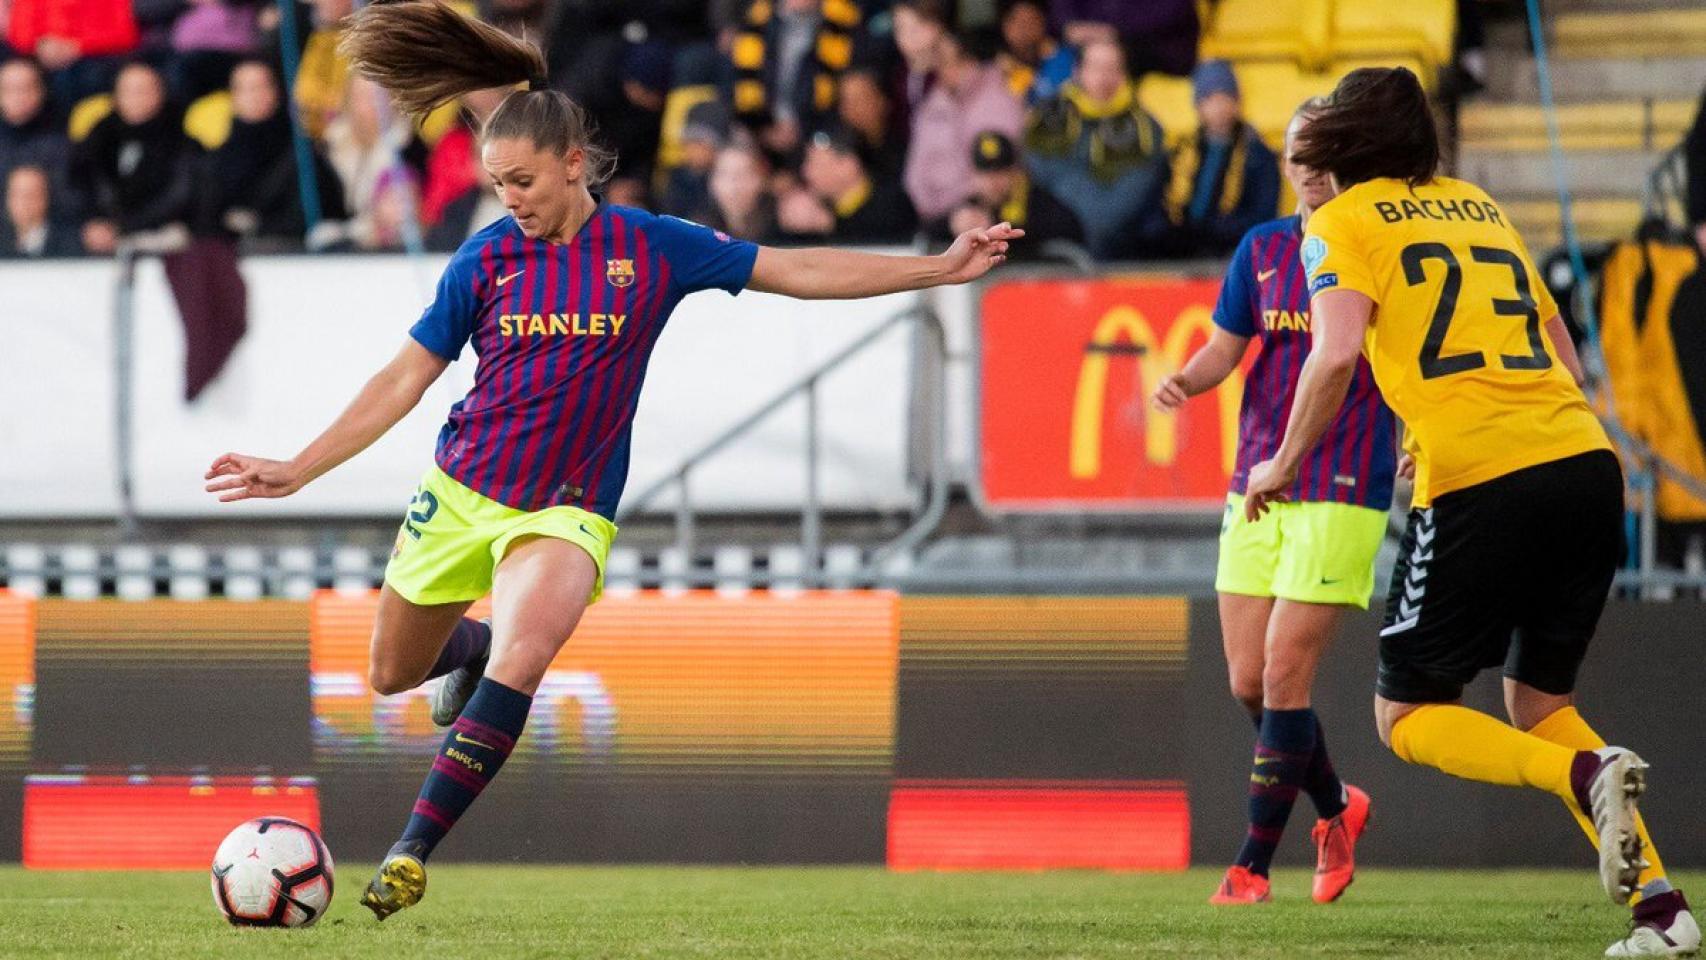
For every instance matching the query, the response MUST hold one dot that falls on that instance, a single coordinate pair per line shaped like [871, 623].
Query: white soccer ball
[272, 872]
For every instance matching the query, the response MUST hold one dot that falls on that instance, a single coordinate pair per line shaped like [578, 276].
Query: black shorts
[1514, 571]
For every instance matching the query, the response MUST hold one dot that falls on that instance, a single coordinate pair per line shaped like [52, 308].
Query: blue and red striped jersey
[1266, 295]
[563, 333]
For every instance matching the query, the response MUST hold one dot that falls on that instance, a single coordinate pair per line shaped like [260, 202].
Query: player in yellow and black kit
[1516, 528]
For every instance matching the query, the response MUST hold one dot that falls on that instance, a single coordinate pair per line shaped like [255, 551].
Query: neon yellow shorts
[1307, 552]
[453, 538]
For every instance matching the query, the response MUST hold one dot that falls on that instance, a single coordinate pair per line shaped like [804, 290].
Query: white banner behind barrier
[57, 455]
[319, 327]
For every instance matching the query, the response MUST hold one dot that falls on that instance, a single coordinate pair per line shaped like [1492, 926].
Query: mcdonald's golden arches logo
[1124, 331]
[1067, 367]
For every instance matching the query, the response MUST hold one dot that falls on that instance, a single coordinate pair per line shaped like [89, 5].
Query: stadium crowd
[782, 121]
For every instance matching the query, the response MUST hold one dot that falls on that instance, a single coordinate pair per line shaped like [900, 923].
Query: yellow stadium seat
[675, 107]
[1272, 92]
[1168, 99]
[1425, 72]
[89, 111]
[1296, 30]
[1610, 125]
[1421, 29]
[1673, 31]
[208, 119]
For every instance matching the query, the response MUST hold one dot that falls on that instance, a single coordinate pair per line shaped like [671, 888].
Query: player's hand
[1407, 467]
[236, 476]
[1269, 481]
[976, 252]
[1170, 395]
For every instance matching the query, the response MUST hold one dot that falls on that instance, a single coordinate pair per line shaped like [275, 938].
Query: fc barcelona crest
[620, 273]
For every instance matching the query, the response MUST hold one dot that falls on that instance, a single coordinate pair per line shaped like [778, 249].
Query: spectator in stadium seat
[1003, 191]
[919, 26]
[363, 143]
[29, 232]
[688, 188]
[969, 97]
[840, 201]
[1158, 34]
[395, 203]
[136, 168]
[866, 109]
[1101, 154]
[456, 200]
[585, 40]
[253, 190]
[787, 60]
[29, 133]
[634, 126]
[1694, 154]
[1224, 179]
[322, 75]
[80, 43]
[741, 204]
[1034, 63]
[208, 40]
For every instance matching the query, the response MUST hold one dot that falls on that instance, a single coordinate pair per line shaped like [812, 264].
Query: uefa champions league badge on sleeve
[1314, 251]
[1325, 281]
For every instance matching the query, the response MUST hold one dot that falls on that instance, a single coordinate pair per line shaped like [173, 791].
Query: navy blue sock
[1321, 781]
[469, 641]
[1282, 758]
[473, 752]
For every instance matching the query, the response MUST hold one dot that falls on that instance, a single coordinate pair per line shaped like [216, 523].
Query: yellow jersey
[1456, 340]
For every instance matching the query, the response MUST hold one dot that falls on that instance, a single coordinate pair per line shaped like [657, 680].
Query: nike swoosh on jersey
[504, 280]
[1265, 275]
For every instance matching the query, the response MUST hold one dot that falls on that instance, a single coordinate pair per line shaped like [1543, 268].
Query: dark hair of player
[1376, 124]
[427, 54]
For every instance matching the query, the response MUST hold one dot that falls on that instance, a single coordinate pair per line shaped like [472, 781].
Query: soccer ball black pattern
[272, 872]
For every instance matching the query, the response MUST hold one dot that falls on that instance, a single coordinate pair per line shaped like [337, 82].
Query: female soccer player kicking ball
[562, 301]
[1517, 525]
[1284, 579]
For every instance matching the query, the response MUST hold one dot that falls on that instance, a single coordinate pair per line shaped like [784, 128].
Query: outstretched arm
[386, 399]
[1210, 365]
[823, 273]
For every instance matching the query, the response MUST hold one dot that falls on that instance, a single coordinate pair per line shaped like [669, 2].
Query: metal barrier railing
[1665, 195]
[930, 378]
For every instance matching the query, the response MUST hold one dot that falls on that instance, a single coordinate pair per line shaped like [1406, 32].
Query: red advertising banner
[1038, 825]
[1067, 367]
[138, 822]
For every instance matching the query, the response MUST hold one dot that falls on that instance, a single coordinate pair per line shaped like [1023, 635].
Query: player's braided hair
[427, 54]
[1376, 124]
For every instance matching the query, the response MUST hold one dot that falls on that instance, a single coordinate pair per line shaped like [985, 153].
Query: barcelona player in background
[1284, 580]
[562, 301]
[1517, 522]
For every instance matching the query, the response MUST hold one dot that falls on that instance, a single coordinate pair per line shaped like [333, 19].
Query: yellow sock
[1469, 744]
[1567, 728]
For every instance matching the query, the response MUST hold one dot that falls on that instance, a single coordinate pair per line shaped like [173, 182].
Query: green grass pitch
[492, 912]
